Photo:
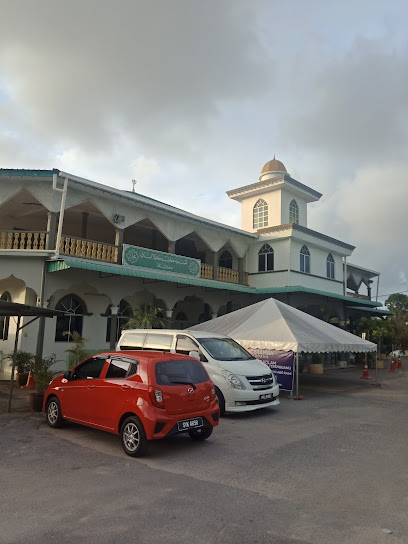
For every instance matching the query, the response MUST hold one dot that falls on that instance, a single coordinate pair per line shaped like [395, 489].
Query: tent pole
[297, 374]
[14, 364]
[376, 357]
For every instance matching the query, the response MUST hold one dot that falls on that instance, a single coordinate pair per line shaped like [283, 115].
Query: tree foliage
[145, 317]
[392, 332]
[397, 303]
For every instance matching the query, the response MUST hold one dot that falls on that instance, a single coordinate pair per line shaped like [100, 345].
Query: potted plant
[43, 374]
[24, 361]
[316, 366]
[78, 353]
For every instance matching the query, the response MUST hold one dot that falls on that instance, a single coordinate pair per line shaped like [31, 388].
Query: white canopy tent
[271, 324]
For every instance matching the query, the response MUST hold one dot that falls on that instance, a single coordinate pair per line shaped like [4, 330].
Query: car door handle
[91, 386]
[124, 387]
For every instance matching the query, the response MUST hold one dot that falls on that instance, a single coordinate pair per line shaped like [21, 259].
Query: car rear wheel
[220, 400]
[53, 412]
[133, 437]
[201, 434]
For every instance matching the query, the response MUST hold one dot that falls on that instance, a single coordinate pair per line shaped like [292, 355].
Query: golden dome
[273, 166]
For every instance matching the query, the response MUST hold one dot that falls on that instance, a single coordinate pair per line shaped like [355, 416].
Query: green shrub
[24, 359]
[43, 372]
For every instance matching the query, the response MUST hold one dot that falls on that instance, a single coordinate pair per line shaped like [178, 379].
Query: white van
[242, 383]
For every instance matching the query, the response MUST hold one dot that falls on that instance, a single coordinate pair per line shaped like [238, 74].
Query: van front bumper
[245, 400]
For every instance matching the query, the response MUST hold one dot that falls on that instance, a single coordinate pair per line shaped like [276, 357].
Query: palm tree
[145, 317]
[78, 353]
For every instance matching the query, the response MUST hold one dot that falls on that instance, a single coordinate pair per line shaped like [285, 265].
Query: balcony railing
[17, 239]
[207, 271]
[356, 295]
[88, 249]
[91, 249]
[223, 274]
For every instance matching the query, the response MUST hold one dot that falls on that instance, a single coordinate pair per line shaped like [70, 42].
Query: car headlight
[233, 380]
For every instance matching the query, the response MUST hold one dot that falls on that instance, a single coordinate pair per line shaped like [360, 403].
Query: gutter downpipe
[62, 210]
[378, 282]
[41, 326]
[41, 322]
[13, 368]
[345, 277]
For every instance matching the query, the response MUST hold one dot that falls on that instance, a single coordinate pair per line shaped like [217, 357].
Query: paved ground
[329, 469]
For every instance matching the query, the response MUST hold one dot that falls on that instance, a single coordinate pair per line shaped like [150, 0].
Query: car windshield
[225, 349]
[180, 372]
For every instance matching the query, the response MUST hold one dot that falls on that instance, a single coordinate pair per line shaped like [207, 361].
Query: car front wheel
[53, 412]
[133, 437]
[201, 434]
[220, 400]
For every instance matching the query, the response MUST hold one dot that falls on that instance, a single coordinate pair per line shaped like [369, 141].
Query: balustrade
[227, 274]
[357, 295]
[88, 249]
[19, 239]
[207, 271]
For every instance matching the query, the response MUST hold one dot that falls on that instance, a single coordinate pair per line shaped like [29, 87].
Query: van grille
[261, 382]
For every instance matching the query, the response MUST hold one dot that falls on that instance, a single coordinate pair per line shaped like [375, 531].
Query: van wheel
[220, 400]
[201, 434]
[133, 437]
[53, 413]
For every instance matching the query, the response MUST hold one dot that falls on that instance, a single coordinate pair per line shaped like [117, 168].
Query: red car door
[78, 395]
[113, 391]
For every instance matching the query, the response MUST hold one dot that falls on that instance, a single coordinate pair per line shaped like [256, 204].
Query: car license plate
[187, 424]
[265, 397]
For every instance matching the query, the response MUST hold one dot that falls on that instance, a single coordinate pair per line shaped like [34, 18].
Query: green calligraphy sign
[159, 260]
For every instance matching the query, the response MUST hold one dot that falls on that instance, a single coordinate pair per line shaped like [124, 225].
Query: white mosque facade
[98, 253]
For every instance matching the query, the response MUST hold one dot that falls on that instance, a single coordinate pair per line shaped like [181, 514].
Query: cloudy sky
[191, 98]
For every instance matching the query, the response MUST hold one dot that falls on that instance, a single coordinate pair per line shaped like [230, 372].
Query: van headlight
[233, 380]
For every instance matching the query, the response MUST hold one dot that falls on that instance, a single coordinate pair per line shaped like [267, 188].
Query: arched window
[260, 214]
[75, 309]
[305, 260]
[4, 320]
[123, 316]
[293, 212]
[225, 259]
[330, 266]
[265, 258]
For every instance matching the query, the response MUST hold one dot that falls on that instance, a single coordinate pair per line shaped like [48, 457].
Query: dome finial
[273, 166]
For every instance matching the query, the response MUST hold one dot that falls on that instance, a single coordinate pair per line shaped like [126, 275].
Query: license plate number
[265, 397]
[186, 424]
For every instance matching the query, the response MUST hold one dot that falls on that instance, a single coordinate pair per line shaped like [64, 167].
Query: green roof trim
[378, 311]
[121, 270]
[308, 290]
[28, 173]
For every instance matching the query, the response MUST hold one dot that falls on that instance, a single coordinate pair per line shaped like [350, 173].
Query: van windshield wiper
[184, 382]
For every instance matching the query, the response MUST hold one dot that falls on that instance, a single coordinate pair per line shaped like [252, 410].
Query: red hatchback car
[141, 395]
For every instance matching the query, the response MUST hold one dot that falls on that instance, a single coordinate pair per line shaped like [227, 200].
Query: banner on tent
[282, 364]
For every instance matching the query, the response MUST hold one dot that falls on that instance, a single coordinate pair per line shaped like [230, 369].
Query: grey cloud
[158, 70]
[356, 108]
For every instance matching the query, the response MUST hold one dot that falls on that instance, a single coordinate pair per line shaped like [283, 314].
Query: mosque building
[98, 253]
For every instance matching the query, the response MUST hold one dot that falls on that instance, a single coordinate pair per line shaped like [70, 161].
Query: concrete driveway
[329, 469]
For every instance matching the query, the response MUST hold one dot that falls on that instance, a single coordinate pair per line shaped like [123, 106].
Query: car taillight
[156, 396]
[213, 394]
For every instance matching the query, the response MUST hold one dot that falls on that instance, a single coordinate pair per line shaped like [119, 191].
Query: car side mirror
[67, 375]
[194, 354]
